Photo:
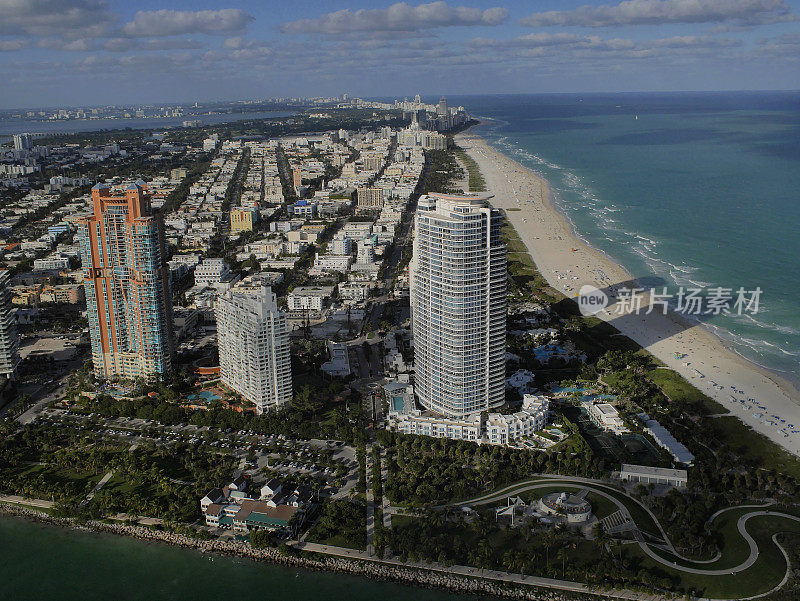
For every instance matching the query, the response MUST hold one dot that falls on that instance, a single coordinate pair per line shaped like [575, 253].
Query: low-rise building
[653, 475]
[243, 219]
[214, 273]
[605, 416]
[667, 441]
[503, 429]
[428, 424]
[51, 263]
[370, 199]
[339, 363]
[339, 263]
[354, 291]
[63, 294]
[242, 507]
[309, 299]
[304, 208]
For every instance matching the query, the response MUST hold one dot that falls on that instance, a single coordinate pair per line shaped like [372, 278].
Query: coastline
[433, 577]
[567, 261]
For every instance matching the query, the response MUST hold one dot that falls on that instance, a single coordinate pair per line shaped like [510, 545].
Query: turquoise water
[701, 190]
[206, 395]
[40, 562]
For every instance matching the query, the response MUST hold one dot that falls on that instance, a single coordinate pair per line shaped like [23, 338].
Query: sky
[95, 52]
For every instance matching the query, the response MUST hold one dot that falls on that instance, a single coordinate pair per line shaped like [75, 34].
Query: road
[30, 414]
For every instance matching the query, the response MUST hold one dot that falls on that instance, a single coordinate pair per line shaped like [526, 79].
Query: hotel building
[253, 340]
[458, 304]
[127, 283]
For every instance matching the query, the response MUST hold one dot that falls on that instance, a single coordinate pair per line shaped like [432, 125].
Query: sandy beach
[755, 395]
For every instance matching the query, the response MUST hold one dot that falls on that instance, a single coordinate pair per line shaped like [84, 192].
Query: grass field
[60, 475]
[476, 181]
[761, 577]
[751, 445]
[678, 389]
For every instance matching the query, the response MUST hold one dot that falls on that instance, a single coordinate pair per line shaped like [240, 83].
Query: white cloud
[12, 45]
[177, 22]
[787, 45]
[398, 17]
[129, 44]
[654, 12]
[79, 45]
[692, 41]
[65, 18]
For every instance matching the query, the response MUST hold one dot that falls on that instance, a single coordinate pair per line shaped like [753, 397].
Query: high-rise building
[23, 141]
[297, 177]
[441, 108]
[253, 340]
[458, 304]
[9, 339]
[126, 278]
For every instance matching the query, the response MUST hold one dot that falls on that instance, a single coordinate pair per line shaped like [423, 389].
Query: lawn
[678, 389]
[61, 476]
[762, 576]
[752, 446]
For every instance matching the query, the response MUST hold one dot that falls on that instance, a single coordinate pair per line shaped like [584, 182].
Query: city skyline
[109, 52]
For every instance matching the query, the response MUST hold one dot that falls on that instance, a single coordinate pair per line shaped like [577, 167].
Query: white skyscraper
[23, 141]
[458, 304]
[253, 340]
[9, 340]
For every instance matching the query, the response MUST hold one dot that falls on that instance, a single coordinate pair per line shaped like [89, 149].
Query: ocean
[40, 562]
[698, 190]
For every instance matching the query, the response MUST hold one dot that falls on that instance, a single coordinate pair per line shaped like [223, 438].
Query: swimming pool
[206, 395]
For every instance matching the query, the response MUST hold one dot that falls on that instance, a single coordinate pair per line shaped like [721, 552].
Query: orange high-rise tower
[126, 278]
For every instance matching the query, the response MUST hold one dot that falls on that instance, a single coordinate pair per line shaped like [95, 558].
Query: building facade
[502, 429]
[9, 338]
[253, 340]
[468, 428]
[370, 199]
[126, 279]
[458, 304]
[243, 219]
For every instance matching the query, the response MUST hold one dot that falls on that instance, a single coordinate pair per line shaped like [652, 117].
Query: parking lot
[331, 463]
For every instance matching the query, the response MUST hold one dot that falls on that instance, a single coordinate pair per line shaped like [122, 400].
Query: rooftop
[653, 471]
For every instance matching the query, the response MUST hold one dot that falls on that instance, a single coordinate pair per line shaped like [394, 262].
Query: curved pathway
[598, 488]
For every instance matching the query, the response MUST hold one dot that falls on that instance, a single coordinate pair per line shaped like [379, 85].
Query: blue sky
[83, 52]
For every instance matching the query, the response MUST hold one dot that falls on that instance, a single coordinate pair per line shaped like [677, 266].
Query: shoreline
[373, 569]
[567, 261]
